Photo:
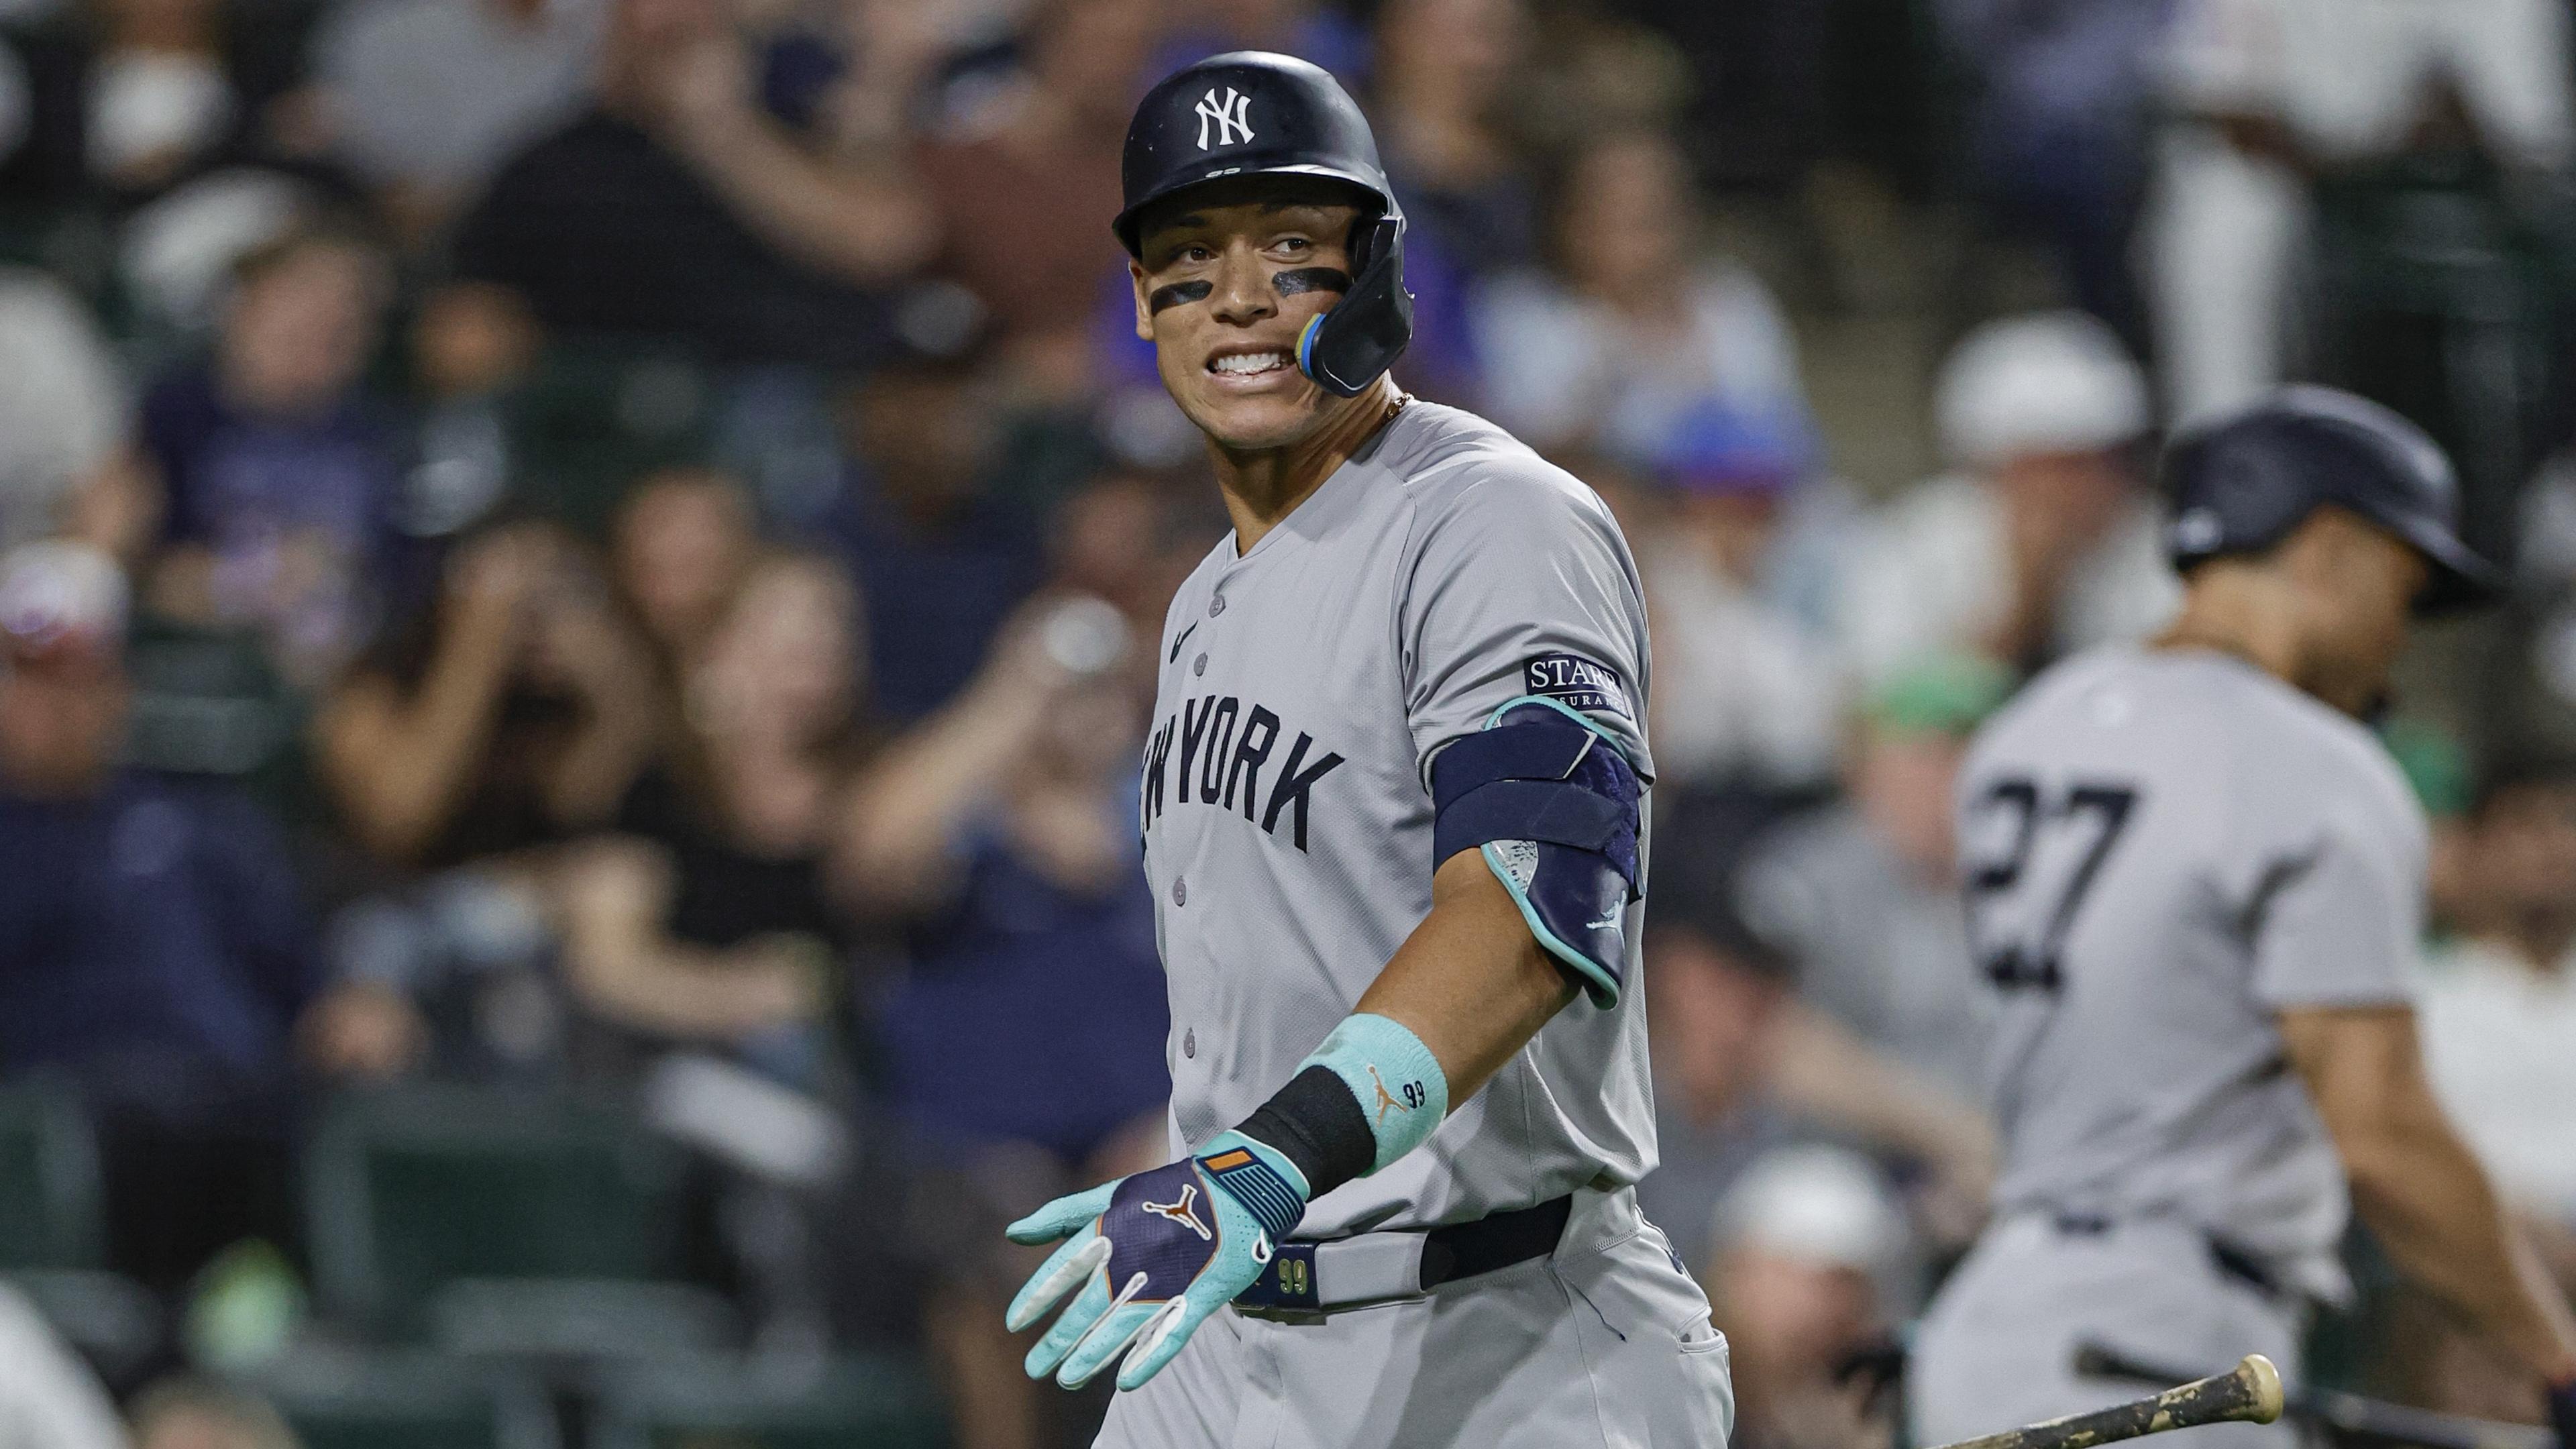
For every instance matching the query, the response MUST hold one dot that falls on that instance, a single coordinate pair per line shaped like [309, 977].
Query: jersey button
[1180, 891]
[1199, 665]
[1190, 1043]
[1216, 606]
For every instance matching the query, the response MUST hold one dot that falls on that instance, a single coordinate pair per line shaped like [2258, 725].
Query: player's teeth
[1252, 362]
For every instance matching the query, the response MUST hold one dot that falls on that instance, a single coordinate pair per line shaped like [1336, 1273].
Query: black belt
[2232, 1260]
[1300, 1277]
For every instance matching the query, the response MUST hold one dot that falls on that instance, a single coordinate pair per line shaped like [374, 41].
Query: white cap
[2047, 382]
[1824, 1206]
[58, 595]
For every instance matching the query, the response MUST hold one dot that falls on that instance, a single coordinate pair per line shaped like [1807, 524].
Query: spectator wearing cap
[157, 94]
[1630, 326]
[154, 944]
[1865, 893]
[2040, 540]
[1747, 692]
[62, 402]
[1808, 1245]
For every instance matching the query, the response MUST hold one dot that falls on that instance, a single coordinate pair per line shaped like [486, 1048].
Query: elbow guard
[1552, 803]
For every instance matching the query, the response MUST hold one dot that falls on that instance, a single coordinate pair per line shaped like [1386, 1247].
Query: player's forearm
[1464, 993]
[1470, 981]
[2437, 1217]
[2418, 1186]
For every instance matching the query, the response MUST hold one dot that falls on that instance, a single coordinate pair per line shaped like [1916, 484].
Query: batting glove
[2562, 1411]
[1154, 1255]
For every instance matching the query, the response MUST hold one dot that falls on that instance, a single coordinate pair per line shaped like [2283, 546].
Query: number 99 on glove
[1148, 1258]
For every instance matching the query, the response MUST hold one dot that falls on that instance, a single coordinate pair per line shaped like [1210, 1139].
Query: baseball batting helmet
[1252, 113]
[2241, 484]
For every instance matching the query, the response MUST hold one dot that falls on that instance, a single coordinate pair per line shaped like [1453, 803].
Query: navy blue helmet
[1252, 113]
[2242, 483]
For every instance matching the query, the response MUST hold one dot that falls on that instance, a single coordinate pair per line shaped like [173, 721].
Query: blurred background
[569, 724]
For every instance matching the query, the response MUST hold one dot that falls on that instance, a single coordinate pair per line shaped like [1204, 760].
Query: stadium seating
[756, 1404]
[344, 1399]
[49, 1183]
[502, 1222]
[49, 1231]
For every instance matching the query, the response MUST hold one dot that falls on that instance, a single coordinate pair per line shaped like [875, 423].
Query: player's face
[2366, 582]
[1223, 291]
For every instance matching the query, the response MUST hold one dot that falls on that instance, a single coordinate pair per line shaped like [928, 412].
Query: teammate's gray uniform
[2161, 850]
[1443, 571]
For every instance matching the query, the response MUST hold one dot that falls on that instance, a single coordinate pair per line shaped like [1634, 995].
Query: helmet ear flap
[1371, 238]
[1347, 348]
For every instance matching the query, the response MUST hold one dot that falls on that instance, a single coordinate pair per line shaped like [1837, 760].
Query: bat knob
[2263, 1383]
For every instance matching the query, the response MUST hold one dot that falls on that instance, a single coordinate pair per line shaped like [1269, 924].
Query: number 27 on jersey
[2034, 853]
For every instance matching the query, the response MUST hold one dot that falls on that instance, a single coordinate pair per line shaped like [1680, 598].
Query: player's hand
[1153, 1255]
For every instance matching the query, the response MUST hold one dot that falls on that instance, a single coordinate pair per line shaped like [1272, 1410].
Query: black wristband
[1317, 1124]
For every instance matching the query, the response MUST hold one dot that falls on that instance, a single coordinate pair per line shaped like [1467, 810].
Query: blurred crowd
[608, 550]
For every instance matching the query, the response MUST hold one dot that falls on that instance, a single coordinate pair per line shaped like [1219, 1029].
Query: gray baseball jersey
[1305, 686]
[2162, 849]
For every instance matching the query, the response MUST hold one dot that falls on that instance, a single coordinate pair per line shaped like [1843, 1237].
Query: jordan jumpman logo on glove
[1153, 1255]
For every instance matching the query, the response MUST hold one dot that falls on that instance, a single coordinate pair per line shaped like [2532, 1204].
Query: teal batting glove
[1154, 1255]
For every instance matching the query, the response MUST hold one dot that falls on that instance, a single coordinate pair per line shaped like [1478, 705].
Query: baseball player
[2194, 882]
[1392, 817]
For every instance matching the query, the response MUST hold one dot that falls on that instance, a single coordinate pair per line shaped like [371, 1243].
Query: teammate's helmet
[1252, 113]
[2242, 483]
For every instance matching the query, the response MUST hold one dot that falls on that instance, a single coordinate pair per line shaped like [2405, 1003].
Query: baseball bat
[2249, 1392]
[2347, 1412]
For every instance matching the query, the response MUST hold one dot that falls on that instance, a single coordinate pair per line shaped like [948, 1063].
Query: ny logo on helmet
[1233, 117]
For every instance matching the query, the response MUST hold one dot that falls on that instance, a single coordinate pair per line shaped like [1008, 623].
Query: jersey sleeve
[2338, 915]
[1520, 585]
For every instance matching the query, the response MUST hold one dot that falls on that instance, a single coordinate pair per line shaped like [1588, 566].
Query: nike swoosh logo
[1609, 922]
[1176, 644]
